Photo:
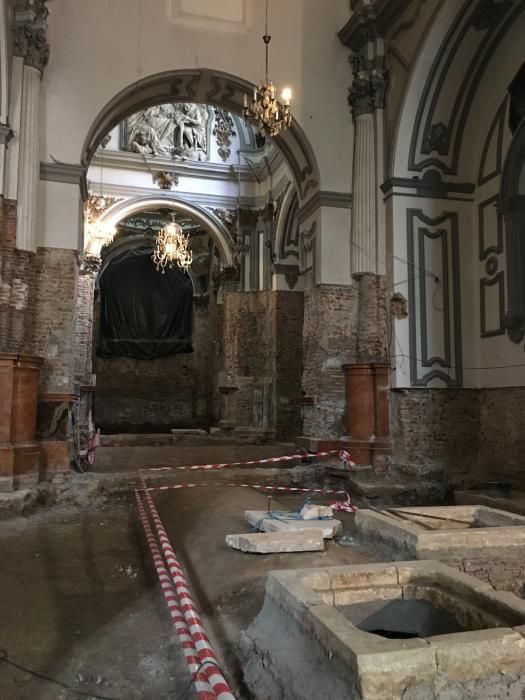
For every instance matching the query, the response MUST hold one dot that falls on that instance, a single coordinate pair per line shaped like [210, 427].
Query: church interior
[262, 332]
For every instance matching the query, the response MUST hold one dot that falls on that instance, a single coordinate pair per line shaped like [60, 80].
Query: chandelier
[171, 246]
[264, 112]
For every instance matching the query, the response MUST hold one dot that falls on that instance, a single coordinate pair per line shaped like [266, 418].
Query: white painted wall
[59, 215]
[99, 47]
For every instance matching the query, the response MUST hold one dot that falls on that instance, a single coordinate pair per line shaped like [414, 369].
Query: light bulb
[287, 95]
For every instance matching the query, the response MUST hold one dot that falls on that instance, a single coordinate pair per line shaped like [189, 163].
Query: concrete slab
[275, 542]
[285, 522]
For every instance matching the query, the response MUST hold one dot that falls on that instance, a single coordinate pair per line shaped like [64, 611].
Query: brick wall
[84, 327]
[330, 330]
[502, 437]
[262, 341]
[17, 268]
[157, 395]
[457, 434]
[53, 303]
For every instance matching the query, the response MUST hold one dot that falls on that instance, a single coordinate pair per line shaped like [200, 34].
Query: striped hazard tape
[209, 663]
[344, 456]
[203, 688]
[337, 505]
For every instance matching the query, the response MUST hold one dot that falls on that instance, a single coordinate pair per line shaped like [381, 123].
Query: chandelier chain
[264, 112]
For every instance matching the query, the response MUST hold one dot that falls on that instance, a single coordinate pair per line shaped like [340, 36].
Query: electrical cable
[4, 659]
[187, 689]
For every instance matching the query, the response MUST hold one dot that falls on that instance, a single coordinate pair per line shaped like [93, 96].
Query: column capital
[30, 33]
[368, 89]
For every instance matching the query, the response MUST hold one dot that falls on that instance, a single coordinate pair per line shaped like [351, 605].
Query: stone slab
[274, 542]
[281, 523]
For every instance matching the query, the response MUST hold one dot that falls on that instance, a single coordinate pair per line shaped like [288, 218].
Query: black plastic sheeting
[144, 314]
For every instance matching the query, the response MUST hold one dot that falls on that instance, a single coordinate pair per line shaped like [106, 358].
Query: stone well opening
[383, 631]
[401, 619]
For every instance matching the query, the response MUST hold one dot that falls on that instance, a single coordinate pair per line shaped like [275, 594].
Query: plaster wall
[125, 44]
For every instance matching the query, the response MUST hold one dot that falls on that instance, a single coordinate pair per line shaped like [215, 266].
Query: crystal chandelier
[264, 112]
[171, 246]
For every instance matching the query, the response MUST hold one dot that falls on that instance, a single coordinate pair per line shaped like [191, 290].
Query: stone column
[367, 381]
[29, 162]
[31, 44]
[364, 252]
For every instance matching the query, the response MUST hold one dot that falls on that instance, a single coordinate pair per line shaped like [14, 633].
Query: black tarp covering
[144, 314]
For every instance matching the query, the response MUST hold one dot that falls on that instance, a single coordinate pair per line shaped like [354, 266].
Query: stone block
[267, 543]
[279, 523]
[313, 512]
[350, 596]
[363, 576]
[466, 656]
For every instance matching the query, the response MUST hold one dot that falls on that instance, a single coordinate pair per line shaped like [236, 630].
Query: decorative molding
[497, 128]
[484, 250]
[484, 285]
[223, 131]
[434, 143]
[339, 200]
[430, 184]
[369, 20]
[443, 229]
[68, 173]
[30, 33]
[165, 180]
[97, 205]
[290, 237]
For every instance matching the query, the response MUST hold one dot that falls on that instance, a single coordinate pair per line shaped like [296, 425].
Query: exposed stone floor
[79, 600]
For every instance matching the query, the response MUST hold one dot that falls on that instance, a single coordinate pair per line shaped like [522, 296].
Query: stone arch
[206, 86]
[122, 210]
[436, 108]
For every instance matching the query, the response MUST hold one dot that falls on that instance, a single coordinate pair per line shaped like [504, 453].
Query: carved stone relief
[98, 204]
[30, 33]
[223, 131]
[169, 130]
[368, 89]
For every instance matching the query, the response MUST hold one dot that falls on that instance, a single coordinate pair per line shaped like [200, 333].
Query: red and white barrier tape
[344, 456]
[203, 688]
[198, 634]
[259, 487]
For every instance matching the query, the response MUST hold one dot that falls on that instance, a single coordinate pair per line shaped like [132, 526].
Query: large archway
[207, 87]
[120, 211]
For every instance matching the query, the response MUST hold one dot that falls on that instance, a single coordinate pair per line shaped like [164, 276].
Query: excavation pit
[384, 631]
[444, 532]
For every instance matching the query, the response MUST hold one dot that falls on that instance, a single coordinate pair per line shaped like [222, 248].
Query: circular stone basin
[401, 619]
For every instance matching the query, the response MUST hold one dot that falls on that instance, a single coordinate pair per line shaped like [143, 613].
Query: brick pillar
[19, 448]
[368, 413]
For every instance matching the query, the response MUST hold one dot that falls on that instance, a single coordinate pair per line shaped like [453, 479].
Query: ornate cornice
[30, 33]
[370, 19]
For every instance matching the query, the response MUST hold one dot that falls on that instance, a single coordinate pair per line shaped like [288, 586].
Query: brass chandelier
[171, 247]
[264, 112]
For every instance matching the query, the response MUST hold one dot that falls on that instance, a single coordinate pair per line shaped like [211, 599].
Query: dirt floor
[79, 600]
[228, 584]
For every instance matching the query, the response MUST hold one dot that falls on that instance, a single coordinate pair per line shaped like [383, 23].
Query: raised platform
[513, 503]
